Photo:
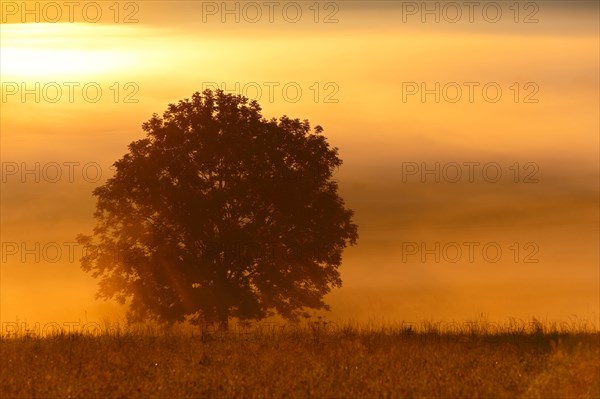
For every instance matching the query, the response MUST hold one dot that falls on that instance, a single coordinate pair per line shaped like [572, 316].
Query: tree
[218, 213]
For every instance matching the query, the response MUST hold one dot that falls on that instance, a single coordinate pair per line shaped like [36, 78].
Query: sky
[469, 138]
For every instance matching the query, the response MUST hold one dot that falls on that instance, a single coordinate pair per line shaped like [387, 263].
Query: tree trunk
[222, 297]
[223, 315]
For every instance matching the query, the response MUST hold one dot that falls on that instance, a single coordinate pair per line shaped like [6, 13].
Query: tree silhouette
[220, 213]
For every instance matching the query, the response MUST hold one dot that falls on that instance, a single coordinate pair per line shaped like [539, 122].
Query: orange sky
[359, 69]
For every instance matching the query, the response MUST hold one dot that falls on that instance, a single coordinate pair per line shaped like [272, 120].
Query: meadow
[320, 359]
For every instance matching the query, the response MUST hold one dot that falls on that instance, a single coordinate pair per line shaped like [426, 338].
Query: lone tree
[220, 213]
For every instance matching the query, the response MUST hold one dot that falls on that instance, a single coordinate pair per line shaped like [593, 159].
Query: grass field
[316, 359]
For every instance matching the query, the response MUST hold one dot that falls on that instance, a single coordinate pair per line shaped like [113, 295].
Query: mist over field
[159, 238]
[406, 157]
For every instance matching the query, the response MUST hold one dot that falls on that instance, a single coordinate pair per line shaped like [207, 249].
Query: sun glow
[60, 50]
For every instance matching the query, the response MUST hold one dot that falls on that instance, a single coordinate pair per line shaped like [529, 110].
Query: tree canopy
[218, 213]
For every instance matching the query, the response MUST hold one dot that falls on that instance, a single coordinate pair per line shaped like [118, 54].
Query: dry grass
[318, 359]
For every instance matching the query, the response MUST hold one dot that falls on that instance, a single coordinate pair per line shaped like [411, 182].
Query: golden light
[61, 50]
